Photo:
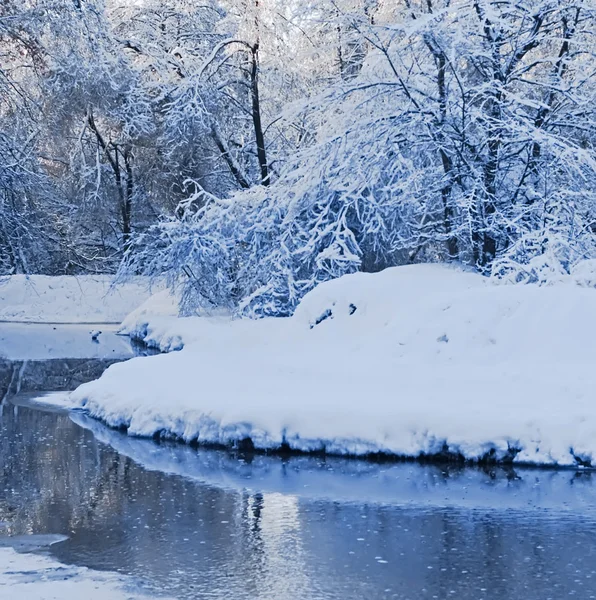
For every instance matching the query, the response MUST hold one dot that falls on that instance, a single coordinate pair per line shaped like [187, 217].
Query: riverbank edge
[467, 388]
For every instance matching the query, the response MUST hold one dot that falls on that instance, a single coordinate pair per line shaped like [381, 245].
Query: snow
[159, 306]
[37, 577]
[45, 401]
[69, 299]
[162, 304]
[413, 360]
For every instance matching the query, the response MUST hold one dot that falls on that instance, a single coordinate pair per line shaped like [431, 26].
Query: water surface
[39, 341]
[217, 525]
[38, 357]
[235, 528]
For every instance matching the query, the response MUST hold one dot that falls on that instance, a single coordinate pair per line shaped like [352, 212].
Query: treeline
[250, 149]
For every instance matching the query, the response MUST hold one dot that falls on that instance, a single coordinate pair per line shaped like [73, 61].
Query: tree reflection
[209, 524]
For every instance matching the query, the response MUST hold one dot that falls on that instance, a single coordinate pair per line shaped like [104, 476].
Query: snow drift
[412, 361]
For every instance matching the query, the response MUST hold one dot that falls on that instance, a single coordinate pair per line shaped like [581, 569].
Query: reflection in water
[38, 341]
[357, 481]
[275, 545]
[38, 357]
[59, 374]
[220, 527]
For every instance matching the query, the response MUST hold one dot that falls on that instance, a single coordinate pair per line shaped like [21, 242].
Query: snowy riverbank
[69, 299]
[412, 361]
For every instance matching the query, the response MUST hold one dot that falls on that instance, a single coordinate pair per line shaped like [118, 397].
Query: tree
[23, 185]
[464, 132]
[254, 148]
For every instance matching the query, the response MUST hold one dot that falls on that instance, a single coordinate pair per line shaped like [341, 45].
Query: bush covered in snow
[463, 132]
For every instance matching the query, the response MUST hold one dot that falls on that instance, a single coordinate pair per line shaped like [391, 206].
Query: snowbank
[412, 361]
[162, 304]
[69, 299]
[35, 577]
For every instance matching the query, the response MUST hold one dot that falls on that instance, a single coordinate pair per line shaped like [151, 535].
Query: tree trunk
[256, 115]
[127, 206]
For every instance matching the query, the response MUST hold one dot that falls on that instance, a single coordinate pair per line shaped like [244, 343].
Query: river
[212, 524]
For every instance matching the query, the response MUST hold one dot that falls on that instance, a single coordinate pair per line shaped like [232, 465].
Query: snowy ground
[68, 299]
[414, 360]
[36, 577]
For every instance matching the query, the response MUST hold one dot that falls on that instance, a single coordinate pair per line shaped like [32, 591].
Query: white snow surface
[37, 577]
[409, 361]
[70, 299]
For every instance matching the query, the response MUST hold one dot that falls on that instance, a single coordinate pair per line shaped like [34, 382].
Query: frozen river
[216, 525]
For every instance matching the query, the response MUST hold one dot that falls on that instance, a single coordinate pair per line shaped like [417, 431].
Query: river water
[215, 525]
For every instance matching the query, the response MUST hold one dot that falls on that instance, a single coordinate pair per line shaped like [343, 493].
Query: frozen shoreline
[38, 577]
[410, 362]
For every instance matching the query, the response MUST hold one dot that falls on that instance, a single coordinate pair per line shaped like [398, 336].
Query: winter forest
[248, 150]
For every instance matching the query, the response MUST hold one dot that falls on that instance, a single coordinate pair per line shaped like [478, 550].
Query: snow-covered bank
[69, 299]
[411, 361]
[35, 577]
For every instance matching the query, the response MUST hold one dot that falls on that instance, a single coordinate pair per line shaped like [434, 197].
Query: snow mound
[414, 361]
[377, 298]
[69, 299]
[137, 323]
